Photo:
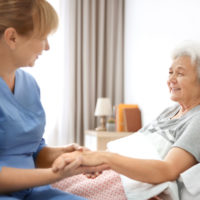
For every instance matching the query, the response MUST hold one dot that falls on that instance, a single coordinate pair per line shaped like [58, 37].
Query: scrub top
[22, 122]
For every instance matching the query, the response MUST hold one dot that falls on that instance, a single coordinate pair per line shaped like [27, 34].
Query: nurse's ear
[10, 36]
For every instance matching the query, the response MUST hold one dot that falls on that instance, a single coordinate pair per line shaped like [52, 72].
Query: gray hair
[191, 49]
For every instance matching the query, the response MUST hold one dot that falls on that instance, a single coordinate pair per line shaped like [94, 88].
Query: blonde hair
[36, 17]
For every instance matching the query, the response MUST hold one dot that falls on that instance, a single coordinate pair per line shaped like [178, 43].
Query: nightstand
[97, 140]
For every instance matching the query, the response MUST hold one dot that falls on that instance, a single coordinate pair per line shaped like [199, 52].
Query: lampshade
[103, 107]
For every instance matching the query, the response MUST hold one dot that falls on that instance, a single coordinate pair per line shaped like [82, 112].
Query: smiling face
[183, 83]
[19, 50]
[28, 50]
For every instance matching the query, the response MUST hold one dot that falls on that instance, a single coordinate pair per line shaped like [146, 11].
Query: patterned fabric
[107, 186]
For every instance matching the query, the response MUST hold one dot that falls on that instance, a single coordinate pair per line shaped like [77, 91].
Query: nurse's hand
[88, 158]
[74, 167]
[74, 147]
[63, 160]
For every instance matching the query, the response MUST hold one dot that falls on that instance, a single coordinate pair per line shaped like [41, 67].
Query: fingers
[72, 168]
[59, 165]
[75, 147]
[94, 171]
[80, 148]
[72, 147]
[85, 149]
[69, 167]
[99, 168]
[93, 175]
[102, 167]
[74, 164]
[65, 159]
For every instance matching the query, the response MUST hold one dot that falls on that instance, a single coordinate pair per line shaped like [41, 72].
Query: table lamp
[103, 109]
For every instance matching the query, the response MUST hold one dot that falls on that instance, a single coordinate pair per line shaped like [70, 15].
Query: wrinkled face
[183, 83]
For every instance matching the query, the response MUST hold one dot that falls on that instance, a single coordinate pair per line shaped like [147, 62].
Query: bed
[110, 185]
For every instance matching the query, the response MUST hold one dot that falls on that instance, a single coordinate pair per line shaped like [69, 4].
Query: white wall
[152, 29]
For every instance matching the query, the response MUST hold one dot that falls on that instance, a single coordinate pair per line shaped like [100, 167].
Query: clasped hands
[78, 160]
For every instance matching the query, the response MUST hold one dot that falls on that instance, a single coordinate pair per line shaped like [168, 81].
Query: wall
[152, 29]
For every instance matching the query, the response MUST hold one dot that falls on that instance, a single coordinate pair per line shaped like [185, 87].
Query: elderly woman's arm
[149, 171]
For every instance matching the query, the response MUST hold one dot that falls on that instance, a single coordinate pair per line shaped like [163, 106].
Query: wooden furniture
[97, 140]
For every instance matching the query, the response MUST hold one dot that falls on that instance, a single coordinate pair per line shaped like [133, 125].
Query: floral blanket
[107, 186]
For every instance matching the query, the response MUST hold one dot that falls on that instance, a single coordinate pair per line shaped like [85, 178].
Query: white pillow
[191, 186]
[136, 145]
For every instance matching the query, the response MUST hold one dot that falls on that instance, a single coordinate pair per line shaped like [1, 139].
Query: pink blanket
[107, 186]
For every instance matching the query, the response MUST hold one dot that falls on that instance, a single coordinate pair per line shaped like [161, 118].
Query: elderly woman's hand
[93, 175]
[93, 158]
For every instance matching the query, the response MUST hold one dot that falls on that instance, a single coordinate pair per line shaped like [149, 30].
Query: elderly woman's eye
[170, 72]
[180, 74]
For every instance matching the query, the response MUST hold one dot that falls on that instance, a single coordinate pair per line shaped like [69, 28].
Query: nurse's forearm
[47, 156]
[12, 179]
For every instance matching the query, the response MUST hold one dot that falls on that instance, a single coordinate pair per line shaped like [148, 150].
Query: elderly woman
[179, 125]
[24, 27]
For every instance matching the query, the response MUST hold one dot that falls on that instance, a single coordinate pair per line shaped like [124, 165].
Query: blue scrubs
[22, 122]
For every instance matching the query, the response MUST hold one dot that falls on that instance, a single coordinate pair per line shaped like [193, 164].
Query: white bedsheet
[139, 145]
[191, 187]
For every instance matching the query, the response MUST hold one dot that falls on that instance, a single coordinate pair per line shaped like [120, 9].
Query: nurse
[25, 160]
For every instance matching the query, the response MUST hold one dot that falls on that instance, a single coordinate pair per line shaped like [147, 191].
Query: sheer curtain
[47, 70]
[93, 63]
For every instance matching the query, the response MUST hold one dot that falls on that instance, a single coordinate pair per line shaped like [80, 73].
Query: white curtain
[85, 61]
[94, 51]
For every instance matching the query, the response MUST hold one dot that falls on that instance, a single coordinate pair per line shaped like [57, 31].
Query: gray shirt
[183, 132]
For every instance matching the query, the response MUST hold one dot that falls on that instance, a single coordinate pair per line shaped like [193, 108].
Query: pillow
[191, 187]
[136, 145]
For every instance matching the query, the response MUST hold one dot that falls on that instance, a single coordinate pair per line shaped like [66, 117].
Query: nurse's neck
[9, 78]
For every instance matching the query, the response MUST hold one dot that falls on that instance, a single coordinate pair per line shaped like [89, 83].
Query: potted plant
[110, 125]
